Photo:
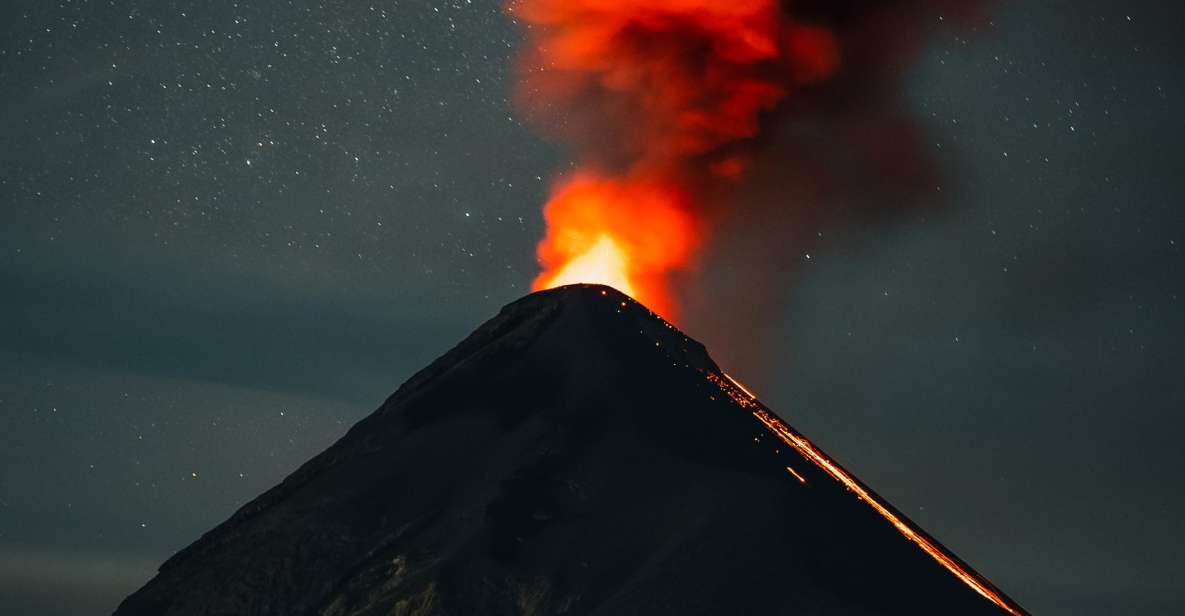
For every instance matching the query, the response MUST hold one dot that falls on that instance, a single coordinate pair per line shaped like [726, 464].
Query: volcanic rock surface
[574, 455]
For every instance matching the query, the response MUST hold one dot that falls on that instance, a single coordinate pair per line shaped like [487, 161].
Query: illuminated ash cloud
[668, 104]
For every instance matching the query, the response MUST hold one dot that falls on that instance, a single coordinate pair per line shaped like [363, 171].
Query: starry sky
[229, 230]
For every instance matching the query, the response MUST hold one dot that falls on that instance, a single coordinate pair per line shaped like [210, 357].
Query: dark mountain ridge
[576, 454]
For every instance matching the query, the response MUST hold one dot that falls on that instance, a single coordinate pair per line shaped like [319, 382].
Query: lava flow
[659, 98]
[809, 451]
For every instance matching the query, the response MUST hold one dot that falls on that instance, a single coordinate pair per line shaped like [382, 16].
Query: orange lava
[603, 263]
[592, 238]
[797, 476]
[808, 450]
[658, 97]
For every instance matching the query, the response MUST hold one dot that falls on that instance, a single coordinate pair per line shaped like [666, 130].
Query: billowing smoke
[734, 129]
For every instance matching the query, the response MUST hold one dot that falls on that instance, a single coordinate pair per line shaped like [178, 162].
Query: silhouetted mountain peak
[576, 454]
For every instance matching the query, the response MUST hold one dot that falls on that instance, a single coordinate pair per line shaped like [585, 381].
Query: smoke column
[676, 111]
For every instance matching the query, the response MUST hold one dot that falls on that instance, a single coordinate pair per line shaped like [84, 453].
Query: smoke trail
[685, 114]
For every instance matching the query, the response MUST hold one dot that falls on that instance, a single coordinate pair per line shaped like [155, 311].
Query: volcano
[576, 454]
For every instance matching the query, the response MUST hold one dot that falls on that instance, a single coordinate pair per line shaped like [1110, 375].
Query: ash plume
[722, 137]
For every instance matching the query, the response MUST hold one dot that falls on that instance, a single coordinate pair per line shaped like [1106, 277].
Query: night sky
[229, 230]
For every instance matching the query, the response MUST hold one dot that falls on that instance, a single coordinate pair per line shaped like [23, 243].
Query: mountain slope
[574, 455]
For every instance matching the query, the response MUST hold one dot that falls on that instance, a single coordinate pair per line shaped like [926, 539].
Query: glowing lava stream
[961, 570]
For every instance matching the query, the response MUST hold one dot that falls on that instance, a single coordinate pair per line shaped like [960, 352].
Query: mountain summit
[574, 455]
